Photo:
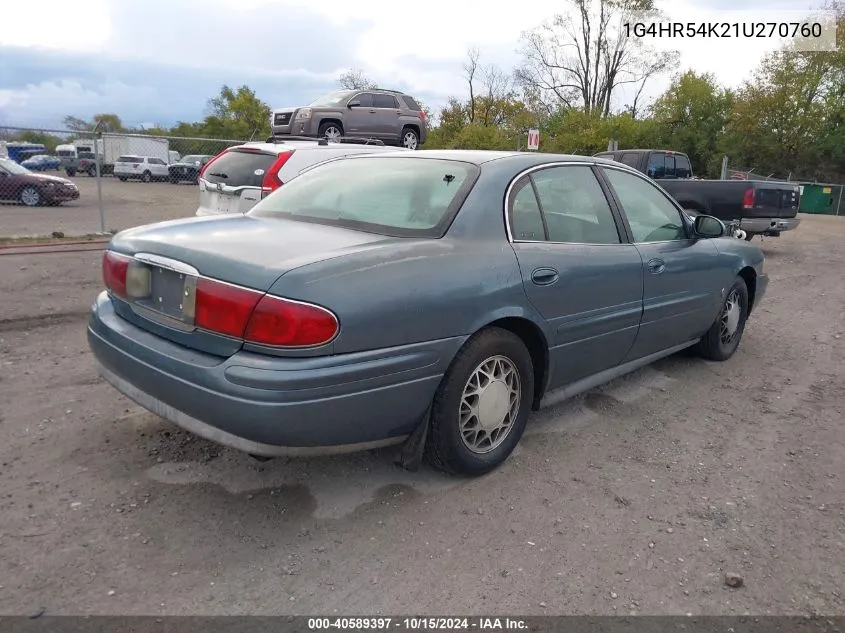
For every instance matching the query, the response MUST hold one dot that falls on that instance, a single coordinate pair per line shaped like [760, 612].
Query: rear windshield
[129, 159]
[240, 168]
[401, 197]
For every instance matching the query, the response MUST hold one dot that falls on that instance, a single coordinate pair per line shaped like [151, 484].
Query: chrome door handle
[545, 276]
[656, 266]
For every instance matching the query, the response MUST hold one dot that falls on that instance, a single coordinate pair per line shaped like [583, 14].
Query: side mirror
[708, 226]
[354, 104]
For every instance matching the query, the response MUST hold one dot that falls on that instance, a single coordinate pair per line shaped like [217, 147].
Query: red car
[20, 185]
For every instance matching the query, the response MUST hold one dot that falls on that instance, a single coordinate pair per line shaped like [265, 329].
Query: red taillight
[260, 318]
[115, 266]
[748, 199]
[287, 323]
[224, 308]
[422, 115]
[271, 180]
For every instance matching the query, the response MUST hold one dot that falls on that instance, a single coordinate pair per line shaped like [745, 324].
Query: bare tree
[488, 87]
[470, 70]
[355, 79]
[581, 60]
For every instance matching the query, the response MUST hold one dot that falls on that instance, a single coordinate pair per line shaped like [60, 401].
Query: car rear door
[387, 117]
[158, 167]
[683, 277]
[232, 182]
[577, 271]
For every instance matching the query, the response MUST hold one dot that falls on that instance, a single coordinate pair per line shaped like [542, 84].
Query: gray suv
[388, 115]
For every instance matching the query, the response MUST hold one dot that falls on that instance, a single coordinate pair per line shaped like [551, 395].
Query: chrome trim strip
[619, 167]
[167, 262]
[525, 172]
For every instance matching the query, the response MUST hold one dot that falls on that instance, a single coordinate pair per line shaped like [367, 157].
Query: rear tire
[147, 177]
[749, 237]
[722, 339]
[92, 171]
[482, 404]
[70, 172]
[410, 138]
[122, 178]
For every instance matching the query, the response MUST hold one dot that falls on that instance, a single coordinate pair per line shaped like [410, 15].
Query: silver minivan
[237, 178]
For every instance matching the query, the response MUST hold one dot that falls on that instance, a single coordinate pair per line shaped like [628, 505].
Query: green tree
[237, 114]
[691, 117]
[107, 122]
[788, 117]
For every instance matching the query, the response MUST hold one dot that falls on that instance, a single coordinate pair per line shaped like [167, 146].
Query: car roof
[285, 146]
[479, 157]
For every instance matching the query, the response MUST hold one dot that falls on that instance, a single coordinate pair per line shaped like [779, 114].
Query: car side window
[670, 166]
[365, 98]
[651, 215]
[682, 167]
[526, 219]
[574, 206]
[384, 101]
[656, 166]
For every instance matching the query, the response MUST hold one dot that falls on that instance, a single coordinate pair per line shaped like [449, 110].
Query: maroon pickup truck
[762, 207]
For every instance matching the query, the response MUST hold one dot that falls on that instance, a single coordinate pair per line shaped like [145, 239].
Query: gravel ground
[635, 498]
[125, 204]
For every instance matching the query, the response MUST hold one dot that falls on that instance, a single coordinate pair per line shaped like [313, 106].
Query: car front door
[682, 276]
[387, 117]
[577, 272]
[360, 120]
[158, 167]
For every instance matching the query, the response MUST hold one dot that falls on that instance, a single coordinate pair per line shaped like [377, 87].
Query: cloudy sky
[159, 61]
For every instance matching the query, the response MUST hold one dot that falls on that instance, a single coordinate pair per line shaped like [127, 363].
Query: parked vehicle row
[428, 299]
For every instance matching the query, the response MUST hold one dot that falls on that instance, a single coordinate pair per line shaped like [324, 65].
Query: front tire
[722, 339]
[30, 197]
[147, 177]
[482, 404]
[92, 171]
[332, 132]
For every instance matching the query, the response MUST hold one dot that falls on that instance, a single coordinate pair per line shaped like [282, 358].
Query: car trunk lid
[246, 252]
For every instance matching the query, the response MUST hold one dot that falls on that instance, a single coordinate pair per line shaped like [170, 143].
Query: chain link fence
[83, 182]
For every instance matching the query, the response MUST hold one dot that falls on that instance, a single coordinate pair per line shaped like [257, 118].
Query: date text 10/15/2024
[415, 624]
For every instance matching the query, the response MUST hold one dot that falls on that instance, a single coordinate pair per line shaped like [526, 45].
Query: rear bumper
[768, 225]
[272, 405]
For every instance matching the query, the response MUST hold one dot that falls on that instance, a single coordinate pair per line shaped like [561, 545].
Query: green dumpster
[817, 199]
